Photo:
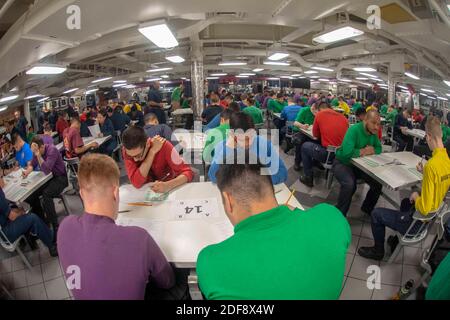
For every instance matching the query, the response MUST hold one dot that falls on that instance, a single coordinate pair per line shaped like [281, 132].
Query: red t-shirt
[166, 161]
[330, 126]
[61, 125]
[72, 140]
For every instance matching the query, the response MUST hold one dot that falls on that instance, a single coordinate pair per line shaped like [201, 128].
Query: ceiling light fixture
[71, 90]
[33, 96]
[412, 76]
[153, 79]
[278, 56]
[218, 74]
[337, 34]
[43, 99]
[274, 63]
[232, 63]
[427, 90]
[364, 69]
[101, 80]
[322, 69]
[176, 59]
[8, 98]
[46, 69]
[258, 70]
[120, 81]
[159, 33]
[159, 69]
[311, 72]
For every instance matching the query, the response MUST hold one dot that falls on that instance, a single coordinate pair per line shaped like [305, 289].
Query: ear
[227, 203]
[116, 193]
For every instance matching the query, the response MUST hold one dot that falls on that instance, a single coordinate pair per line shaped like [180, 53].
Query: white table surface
[191, 140]
[182, 240]
[17, 189]
[87, 140]
[391, 175]
[416, 133]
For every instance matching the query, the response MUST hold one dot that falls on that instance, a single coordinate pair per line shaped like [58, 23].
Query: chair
[14, 246]
[417, 231]
[72, 172]
[118, 149]
[352, 119]
[328, 165]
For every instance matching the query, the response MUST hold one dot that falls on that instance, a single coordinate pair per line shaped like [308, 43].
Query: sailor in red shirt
[73, 143]
[330, 127]
[62, 123]
[153, 160]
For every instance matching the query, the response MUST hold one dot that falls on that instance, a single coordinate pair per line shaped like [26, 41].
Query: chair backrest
[331, 153]
[119, 137]
[4, 241]
[418, 230]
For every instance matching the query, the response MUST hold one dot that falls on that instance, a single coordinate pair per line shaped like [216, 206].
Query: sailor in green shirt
[176, 96]
[186, 103]
[361, 140]
[439, 287]
[391, 115]
[253, 111]
[277, 106]
[445, 133]
[217, 135]
[305, 119]
[357, 106]
[384, 110]
[335, 102]
[276, 252]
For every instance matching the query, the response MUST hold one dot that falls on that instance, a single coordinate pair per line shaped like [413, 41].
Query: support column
[27, 114]
[197, 79]
[391, 88]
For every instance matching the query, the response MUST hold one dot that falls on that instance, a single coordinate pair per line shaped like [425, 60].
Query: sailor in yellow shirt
[435, 185]
[127, 108]
[344, 106]
[372, 107]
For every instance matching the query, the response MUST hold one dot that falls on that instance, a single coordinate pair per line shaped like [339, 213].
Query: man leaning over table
[115, 262]
[435, 185]
[15, 222]
[47, 159]
[24, 155]
[153, 160]
[73, 143]
[361, 140]
[276, 252]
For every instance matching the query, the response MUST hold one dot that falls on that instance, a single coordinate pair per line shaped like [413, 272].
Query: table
[191, 141]
[395, 171]
[308, 132]
[181, 240]
[17, 189]
[86, 141]
[416, 133]
[340, 110]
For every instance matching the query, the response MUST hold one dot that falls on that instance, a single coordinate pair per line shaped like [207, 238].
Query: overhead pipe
[440, 12]
[5, 7]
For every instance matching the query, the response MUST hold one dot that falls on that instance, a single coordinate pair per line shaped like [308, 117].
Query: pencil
[290, 197]
[138, 204]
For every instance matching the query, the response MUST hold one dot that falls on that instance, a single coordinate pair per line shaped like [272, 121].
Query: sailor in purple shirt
[114, 262]
[48, 159]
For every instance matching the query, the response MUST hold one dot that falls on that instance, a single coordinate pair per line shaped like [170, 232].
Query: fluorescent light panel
[43, 99]
[442, 98]
[101, 80]
[218, 74]
[364, 69]
[33, 96]
[159, 69]
[233, 63]
[322, 69]
[176, 59]
[71, 90]
[278, 56]
[247, 74]
[310, 72]
[159, 34]
[447, 82]
[338, 35]
[258, 70]
[412, 76]
[153, 79]
[46, 69]
[428, 90]
[275, 63]
[120, 81]
[8, 98]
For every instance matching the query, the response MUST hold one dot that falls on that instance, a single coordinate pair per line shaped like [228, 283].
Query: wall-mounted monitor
[301, 84]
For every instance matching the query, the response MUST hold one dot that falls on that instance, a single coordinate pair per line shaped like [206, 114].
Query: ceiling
[414, 33]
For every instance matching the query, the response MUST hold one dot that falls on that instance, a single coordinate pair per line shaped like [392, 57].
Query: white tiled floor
[46, 280]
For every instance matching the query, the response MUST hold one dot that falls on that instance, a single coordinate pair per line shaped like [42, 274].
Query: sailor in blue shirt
[256, 146]
[24, 155]
[291, 111]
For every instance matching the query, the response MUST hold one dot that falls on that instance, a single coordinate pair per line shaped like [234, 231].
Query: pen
[140, 204]
[125, 211]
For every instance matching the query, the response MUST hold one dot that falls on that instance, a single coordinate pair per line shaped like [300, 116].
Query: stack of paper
[95, 130]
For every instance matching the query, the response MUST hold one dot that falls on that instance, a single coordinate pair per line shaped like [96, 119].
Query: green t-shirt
[439, 287]
[391, 116]
[276, 106]
[255, 114]
[445, 133]
[335, 102]
[214, 137]
[279, 255]
[356, 139]
[356, 106]
[176, 94]
[384, 109]
[304, 116]
[257, 104]
[30, 137]
[185, 104]
[305, 100]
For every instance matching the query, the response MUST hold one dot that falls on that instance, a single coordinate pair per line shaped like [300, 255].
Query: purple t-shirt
[53, 162]
[47, 139]
[115, 262]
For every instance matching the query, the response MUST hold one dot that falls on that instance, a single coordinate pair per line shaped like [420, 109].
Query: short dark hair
[280, 95]
[240, 120]
[226, 114]
[323, 105]
[234, 106]
[360, 112]
[150, 117]
[134, 137]
[245, 182]
[38, 140]
[104, 113]
[15, 137]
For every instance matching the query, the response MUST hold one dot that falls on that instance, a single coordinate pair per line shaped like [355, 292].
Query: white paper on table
[154, 227]
[398, 176]
[14, 191]
[95, 130]
[129, 194]
[225, 228]
[194, 209]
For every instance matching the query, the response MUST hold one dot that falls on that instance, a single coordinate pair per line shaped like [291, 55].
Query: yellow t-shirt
[371, 108]
[344, 106]
[127, 108]
[436, 182]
